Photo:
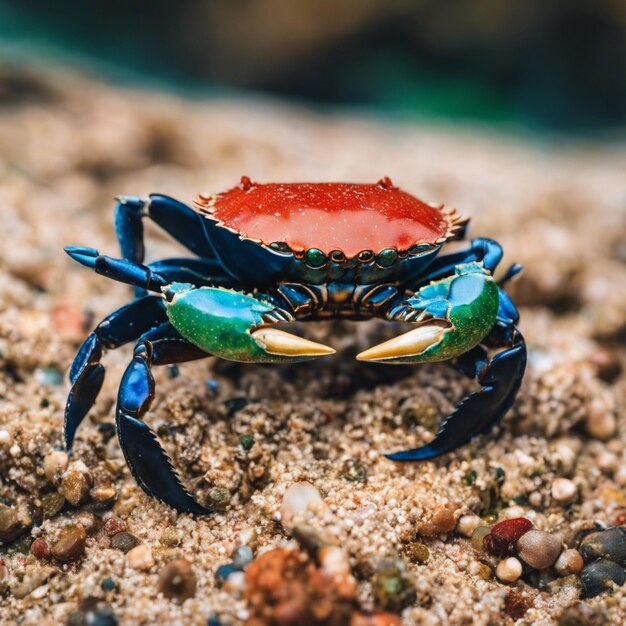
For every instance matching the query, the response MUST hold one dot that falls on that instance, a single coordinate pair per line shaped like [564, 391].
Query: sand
[70, 143]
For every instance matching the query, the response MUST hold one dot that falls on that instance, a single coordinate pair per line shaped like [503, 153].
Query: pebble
[478, 537]
[54, 464]
[417, 552]
[298, 499]
[569, 562]
[49, 376]
[235, 584]
[440, 522]
[108, 584]
[171, 537]
[353, 471]
[223, 572]
[140, 558]
[104, 494]
[467, 524]
[501, 540]
[52, 503]
[564, 490]
[114, 525]
[40, 549]
[76, 483]
[509, 570]
[242, 557]
[178, 580]
[10, 524]
[391, 588]
[609, 543]
[600, 422]
[246, 441]
[600, 576]
[70, 544]
[5, 439]
[124, 541]
[481, 570]
[538, 548]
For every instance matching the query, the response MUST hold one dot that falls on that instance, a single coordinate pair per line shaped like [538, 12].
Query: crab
[268, 254]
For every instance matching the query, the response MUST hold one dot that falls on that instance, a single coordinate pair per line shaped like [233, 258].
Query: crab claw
[280, 343]
[236, 326]
[453, 315]
[407, 346]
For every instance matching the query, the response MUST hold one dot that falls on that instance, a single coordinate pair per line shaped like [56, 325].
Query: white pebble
[15, 450]
[509, 570]
[298, 499]
[467, 524]
[235, 583]
[5, 438]
[564, 490]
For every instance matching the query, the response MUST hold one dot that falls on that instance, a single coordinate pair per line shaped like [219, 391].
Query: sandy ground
[68, 144]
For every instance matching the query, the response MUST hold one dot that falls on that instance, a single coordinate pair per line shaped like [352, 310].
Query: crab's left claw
[452, 315]
[236, 326]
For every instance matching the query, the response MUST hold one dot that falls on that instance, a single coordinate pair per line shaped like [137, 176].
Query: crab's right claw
[236, 326]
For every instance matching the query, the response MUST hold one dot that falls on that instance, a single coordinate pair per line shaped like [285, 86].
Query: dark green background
[552, 65]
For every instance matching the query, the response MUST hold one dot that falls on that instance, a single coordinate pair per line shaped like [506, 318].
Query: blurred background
[556, 65]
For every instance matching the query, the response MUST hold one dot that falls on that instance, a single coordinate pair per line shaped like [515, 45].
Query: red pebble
[114, 525]
[501, 540]
[39, 549]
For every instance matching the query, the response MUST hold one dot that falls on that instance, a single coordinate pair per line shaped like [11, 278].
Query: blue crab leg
[176, 218]
[153, 276]
[149, 463]
[87, 374]
[454, 316]
[121, 270]
[476, 414]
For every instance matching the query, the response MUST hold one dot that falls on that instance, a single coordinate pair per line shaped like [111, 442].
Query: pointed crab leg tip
[280, 343]
[405, 346]
[84, 256]
[420, 454]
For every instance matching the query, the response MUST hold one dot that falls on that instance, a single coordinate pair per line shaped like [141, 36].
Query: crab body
[275, 253]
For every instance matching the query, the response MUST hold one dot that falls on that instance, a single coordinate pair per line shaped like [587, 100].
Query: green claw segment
[231, 325]
[459, 310]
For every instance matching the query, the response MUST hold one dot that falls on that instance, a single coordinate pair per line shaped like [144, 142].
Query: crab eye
[337, 256]
[366, 256]
[387, 257]
[420, 248]
[315, 258]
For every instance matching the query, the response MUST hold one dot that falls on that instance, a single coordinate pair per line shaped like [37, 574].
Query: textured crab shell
[347, 217]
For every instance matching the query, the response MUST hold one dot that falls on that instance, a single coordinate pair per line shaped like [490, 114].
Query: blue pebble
[212, 385]
[214, 621]
[242, 557]
[108, 584]
[173, 371]
[224, 571]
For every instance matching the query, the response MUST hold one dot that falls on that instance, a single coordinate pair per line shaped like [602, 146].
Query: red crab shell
[330, 216]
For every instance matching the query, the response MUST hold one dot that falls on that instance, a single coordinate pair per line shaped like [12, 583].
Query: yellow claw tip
[405, 346]
[280, 343]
